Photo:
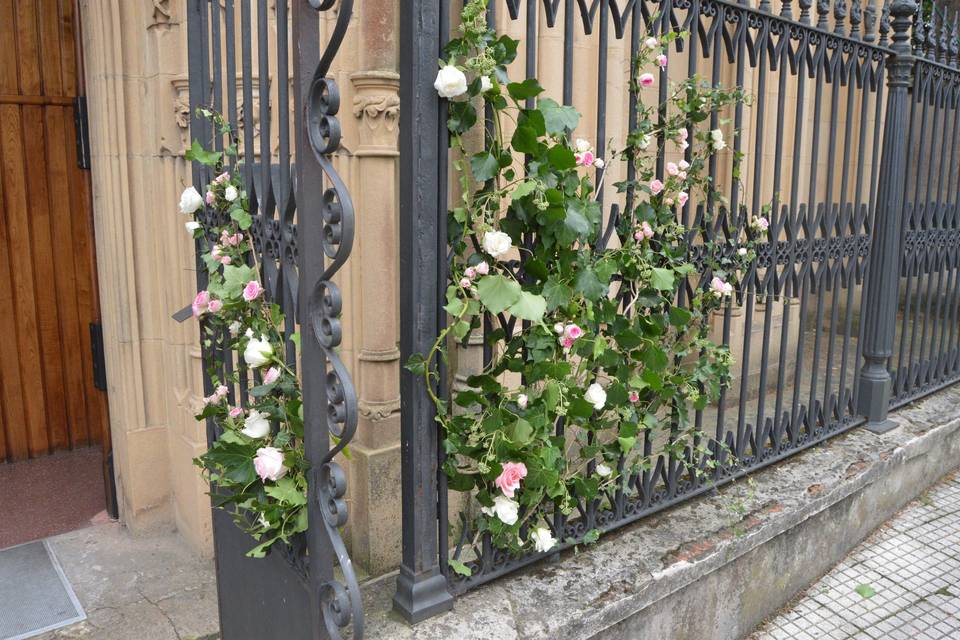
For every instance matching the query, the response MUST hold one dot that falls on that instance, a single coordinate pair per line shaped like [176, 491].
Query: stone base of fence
[714, 567]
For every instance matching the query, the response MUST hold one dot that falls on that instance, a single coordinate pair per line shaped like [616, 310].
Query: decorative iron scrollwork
[340, 600]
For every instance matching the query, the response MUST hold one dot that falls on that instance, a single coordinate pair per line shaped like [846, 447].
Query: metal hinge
[82, 128]
[99, 365]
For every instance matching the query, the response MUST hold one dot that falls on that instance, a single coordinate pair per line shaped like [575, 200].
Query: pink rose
[566, 342]
[646, 80]
[638, 236]
[584, 159]
[646, 229]
[682, 133]
[223, 177]
[252, 291]
[682, 198]
[465, 283]
[672, 168]
[470, 272]
[271, 376]
[210, 199]
[268, 463]
[200, 304]
[720, 288]
[662, 60]
[656, 186]
[572, 331]
[684, 165]
[509, 479]
[236, 412]
[634, 396]
[215, 306]
[231, 240]
[483, 268]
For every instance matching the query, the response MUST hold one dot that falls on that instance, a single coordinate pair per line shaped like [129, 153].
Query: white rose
[645, 140]
[256, 425]
[717, 136]
[230, 193]
[485, 84]
[496, 243]
[603, 470]
[268, 463]
[598, 163]
[258, 352]
[450, 82]
[504, 508]
[543, 539]
[522, 400]
[742, 251]
[596, 396]
[558, 328]
[651, 43]
[190, 200]
[192, 226]
[583, 146]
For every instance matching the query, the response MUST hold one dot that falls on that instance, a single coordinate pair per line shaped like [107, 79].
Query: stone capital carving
[376, 103]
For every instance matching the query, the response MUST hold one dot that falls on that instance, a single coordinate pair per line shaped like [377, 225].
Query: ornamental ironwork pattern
[264, 66]
[840, 103]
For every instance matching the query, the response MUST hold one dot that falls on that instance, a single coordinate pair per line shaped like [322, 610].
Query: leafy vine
[597, 330]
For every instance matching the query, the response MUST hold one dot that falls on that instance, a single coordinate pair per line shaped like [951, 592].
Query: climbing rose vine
[598, 329]
[256, 464]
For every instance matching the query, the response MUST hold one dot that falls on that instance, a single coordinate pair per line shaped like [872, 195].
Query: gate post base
[881, 427]
[420, 597]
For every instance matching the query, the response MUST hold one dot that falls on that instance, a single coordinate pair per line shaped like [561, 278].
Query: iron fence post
[421, 586]
[879, 304]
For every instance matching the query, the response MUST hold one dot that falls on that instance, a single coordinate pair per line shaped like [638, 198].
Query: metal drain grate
[34, 593]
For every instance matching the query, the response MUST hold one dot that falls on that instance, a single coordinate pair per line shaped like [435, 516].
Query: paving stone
[913, 566]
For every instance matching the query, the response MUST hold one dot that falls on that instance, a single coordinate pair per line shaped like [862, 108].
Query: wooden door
[48, 293]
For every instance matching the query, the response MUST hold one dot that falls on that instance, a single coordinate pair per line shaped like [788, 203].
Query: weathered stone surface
[705, 569]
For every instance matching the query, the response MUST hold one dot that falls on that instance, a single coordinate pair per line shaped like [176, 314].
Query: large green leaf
[484, 166]
[520, 431]
[498, 292]
[286, 490]
[558, 118]
[662, 279]
[529, 306]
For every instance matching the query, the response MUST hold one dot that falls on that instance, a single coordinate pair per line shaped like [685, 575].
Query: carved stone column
[375, 512]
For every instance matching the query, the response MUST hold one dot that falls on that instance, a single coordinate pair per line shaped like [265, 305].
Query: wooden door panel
[48, 294]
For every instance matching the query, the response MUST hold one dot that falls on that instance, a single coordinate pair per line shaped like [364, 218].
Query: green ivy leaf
[498, 292]
[589, 285]
[556, 294]
[525, 140]
[662, 279]
[460, 568]
[520, 431]
[679, 317]
[484, 166]
[561, 157]
[523, 189]
[241, 217]
[196, 153]
[285, 490]
[558, 118]
[529, 88]
[529, 306]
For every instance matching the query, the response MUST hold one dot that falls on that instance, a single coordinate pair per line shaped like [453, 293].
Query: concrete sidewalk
[136, 587]
[902, 582]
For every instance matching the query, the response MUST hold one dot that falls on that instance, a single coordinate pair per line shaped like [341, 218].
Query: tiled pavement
[902, 582]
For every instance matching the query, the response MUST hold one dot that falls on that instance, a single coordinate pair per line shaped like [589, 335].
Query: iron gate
[246, 57]
[844, 96]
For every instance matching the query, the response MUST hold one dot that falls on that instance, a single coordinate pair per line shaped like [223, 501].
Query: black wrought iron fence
[925, 356]
[850, 148]
[263, 65]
